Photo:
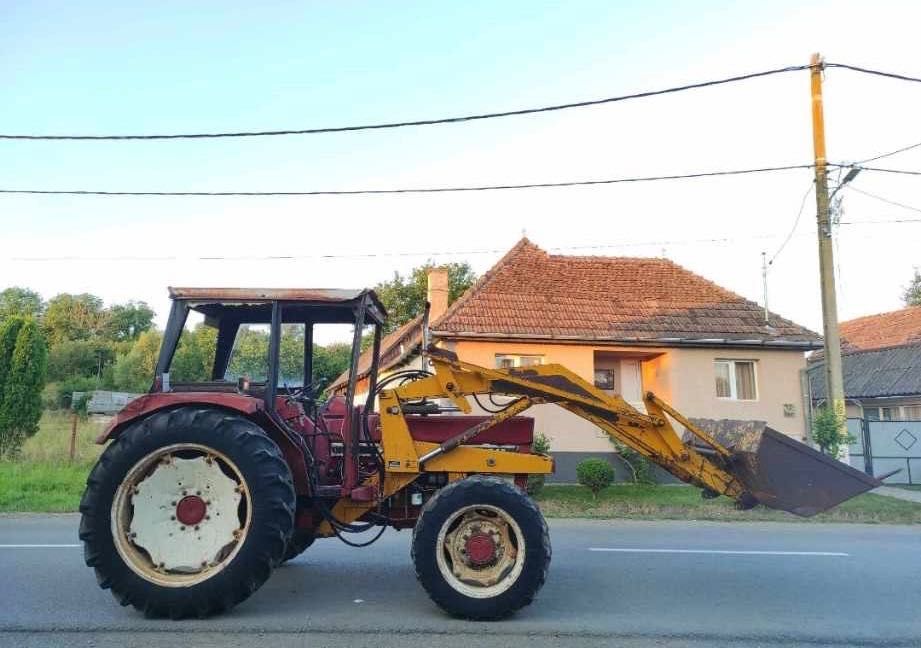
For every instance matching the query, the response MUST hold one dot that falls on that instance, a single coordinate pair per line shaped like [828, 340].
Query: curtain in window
[745, 380]
[722, 380]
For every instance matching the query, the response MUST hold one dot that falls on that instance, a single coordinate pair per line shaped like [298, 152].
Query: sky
[107, 67]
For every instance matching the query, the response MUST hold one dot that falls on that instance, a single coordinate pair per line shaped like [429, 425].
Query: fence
[884, 446]
[104, 402]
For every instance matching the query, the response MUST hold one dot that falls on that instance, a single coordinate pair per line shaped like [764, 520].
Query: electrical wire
[799, 215]
[415, 190]
[885, 200]
[856, 68]
[889, 154]
[420, 122]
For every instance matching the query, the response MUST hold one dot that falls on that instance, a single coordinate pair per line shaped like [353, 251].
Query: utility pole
[834, 380]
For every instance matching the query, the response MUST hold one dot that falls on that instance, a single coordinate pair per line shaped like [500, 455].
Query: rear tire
[123, 525]
[298, 543]
[481, 548]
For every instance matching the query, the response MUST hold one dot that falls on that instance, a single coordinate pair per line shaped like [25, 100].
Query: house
[881, 365]
[630, 325]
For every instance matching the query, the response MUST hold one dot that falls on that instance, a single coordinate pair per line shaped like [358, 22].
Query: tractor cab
[252, 325]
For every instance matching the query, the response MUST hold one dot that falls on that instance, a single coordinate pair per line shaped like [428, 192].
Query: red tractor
[206, 487]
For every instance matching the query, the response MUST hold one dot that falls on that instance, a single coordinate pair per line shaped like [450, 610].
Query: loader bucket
[782, 473]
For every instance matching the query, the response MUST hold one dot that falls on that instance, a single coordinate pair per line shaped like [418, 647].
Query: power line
[375, 255]
[885, 200]
[420, 122]
[891, 75]
[799, 215]
[412, 190]
[855, 165]
[887, 221]
[889, 154]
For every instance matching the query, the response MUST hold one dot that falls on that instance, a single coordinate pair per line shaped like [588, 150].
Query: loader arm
[652, 435]
[744, 460]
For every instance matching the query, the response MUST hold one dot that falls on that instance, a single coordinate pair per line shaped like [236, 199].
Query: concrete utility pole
[834, 380]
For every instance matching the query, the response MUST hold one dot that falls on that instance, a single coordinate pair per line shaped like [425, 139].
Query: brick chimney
[437, 294]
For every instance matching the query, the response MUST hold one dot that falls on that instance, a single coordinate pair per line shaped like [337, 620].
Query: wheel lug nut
[172, 503]
[182, 528]
[172, 517]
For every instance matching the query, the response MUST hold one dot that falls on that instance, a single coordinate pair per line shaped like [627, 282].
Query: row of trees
[23, 359]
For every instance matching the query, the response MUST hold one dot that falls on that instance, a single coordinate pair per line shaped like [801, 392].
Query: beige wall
[683, 377]
[691, 374]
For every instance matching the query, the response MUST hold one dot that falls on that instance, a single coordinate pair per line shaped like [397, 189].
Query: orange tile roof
[532, 294]
[883, 330]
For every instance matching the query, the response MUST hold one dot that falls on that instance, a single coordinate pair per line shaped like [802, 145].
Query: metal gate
[884, 446]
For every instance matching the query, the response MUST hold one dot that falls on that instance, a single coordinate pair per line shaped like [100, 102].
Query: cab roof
[299, 304]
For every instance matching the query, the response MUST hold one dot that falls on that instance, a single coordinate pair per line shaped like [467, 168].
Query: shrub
[829, 432]
[66, 389]
[595, 474]
[541, 445]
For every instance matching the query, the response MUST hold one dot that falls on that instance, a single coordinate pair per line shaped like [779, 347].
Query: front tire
[481, 548]
[187, 512]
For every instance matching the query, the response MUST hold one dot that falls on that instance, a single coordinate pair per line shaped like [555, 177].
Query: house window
[912, 413]
[735, 379]
[507, 361]
[604, 379]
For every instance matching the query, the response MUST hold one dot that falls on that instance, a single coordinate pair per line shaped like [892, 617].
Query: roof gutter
[797, 345]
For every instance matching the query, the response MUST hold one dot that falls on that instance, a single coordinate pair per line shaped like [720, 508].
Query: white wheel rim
[181, 514]
[480, 525]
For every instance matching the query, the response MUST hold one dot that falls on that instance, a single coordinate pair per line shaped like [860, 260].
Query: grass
[641, 502]
[914, 487]
[42, 479]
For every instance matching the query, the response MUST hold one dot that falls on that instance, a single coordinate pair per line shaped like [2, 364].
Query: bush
[541, 445]
[595, 474]
[829, 432]
[66, 389]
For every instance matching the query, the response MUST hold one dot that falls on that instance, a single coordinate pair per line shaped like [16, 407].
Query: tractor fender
[250, 407]
[150, 403]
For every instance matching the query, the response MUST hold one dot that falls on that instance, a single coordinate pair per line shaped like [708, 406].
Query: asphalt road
[611, 583]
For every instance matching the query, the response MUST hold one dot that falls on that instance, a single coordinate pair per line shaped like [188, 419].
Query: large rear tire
[481, 548]
[298, 543]
[187, 512]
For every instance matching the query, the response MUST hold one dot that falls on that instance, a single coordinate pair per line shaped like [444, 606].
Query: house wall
[692, 379]
[683, 377]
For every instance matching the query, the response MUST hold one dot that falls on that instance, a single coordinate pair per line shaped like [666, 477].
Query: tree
[194, 356]
[329, 362]
[22, 302]
[73, 317]
[912, 294]
[404, 297]
[21, 401]
[128, 321]
[9, 331]
[73, 358]
[134, 371]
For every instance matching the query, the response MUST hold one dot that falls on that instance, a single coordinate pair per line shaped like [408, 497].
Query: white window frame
[516, 359]
[733, 389]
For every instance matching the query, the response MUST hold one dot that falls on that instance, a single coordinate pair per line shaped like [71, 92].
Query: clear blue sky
[106, 67]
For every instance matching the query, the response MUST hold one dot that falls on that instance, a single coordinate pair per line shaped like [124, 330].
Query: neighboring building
[881, 364]
[629, 325]
[879, 384]
[883, 330]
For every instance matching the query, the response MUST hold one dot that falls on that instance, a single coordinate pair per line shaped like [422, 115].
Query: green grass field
[43, 480]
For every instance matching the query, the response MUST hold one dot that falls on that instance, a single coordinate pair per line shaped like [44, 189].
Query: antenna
[764, 271]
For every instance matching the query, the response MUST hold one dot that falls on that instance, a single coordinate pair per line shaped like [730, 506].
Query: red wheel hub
[480, 549]
[191, 510]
